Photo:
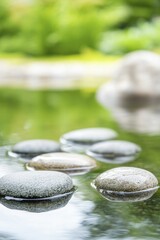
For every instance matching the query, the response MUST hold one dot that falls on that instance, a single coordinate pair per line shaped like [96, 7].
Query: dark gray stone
[36, 184]
[79, 140]
[67, 162]
[35, 147]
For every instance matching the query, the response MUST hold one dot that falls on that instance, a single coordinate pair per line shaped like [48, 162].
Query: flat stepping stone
[32, 148]
[35, 185]
[65, 162]
[126, 183]
[115, 151]
[81, 139]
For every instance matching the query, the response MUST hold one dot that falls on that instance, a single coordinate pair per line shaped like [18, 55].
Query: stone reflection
[6, 236]
[133, 95]
[37, 206]
[127, 197]
[122, 220]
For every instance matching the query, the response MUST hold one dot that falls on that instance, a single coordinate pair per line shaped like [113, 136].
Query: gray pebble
[35, 147]
[126, 179]
[79, 140]
[116, 151]
[34, 185]
[67, 162]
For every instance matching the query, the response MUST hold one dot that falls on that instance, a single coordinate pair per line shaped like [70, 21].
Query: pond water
[28, 114]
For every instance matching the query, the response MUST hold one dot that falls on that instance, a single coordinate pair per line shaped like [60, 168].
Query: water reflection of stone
[37, 206]
[133, 115]
[6, 236]
[127, 196]
[123, 220]
[133, 94]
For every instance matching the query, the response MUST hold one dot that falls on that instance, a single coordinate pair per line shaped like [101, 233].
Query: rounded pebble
[67, 162]
[114, 151]
[126, 179]
[34, 147]
[35, 185]
[79, 140]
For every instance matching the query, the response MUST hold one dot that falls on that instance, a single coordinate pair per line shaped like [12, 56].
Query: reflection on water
[127, 196]
[5, 236]
[87, 215]
[142, 120]
[133, 113]
[112, 159]
[37, 206]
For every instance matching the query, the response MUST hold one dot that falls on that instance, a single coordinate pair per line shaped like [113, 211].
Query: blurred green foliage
[143, 36]
[50, 27]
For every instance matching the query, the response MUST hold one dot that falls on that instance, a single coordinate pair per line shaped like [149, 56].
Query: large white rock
[137, 75]
[133, 94]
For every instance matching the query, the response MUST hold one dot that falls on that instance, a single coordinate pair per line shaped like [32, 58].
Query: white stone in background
[137, 75]
[133, 94]
[33, 185]
[139, 72]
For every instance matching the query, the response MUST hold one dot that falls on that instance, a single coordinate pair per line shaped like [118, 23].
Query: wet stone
[126, 179]
[80, 140]
[65, 162]
[115, 151]
[31, 148]
[35, 185]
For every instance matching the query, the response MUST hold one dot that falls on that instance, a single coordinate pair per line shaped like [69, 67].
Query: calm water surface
[49, 114]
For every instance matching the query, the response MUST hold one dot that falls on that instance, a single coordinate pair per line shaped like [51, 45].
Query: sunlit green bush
[144, 36]
[51, 27]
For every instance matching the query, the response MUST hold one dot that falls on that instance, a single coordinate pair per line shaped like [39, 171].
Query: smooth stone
[35, 147]
[79, 140]
[126, 179]
[136, 80]
[37, 206]
[115, 151]
[139, 74]
[35, 185]
[66, 162]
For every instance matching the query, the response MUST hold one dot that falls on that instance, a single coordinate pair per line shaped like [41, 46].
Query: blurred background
[54, 56]
[77, 42]
[67, 27]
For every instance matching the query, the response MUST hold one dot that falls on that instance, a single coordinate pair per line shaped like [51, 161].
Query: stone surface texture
[126, 179]
[37, 184]
[138, 75]
[53, 161]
